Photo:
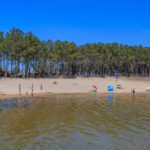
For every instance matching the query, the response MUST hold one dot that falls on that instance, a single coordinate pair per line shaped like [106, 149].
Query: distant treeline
[24, 54]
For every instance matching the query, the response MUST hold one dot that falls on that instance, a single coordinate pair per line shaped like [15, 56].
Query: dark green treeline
[23, 54]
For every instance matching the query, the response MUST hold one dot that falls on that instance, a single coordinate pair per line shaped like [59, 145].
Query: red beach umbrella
[95, 87]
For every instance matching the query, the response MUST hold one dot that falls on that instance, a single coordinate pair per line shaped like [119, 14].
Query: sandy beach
[9, 87]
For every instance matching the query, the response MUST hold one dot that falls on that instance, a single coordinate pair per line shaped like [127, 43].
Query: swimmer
[133, 91]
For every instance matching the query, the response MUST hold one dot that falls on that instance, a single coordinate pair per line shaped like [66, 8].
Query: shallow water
[76, 122]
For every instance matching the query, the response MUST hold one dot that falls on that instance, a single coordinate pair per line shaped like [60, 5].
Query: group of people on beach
[94, 90]
[116, 77]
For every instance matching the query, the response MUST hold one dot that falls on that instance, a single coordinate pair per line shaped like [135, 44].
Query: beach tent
[110, 88]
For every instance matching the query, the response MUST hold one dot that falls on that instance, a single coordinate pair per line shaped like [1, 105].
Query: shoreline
[9, 88]
[4, 97]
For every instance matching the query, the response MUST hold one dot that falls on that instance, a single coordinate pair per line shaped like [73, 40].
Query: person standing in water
[133, 91]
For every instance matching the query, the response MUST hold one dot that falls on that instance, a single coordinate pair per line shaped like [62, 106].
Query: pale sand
[9, 87]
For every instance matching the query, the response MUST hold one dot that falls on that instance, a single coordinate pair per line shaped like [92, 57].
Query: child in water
[133, 91]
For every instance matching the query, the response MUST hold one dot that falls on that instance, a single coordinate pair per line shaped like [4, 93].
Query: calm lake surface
[76, 122]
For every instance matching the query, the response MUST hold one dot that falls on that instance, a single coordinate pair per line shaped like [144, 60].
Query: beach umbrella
[95, 87]
[110, 88]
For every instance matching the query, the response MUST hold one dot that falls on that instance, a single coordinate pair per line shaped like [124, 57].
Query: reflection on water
[15, 103]
[76, 122]
[110, 97]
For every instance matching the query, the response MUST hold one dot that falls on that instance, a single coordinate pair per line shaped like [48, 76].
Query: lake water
[76, 122]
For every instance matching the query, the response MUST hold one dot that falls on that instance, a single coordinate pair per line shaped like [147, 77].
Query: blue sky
[81, 21]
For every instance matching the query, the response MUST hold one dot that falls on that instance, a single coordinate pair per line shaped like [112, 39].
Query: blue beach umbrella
[110, 88]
